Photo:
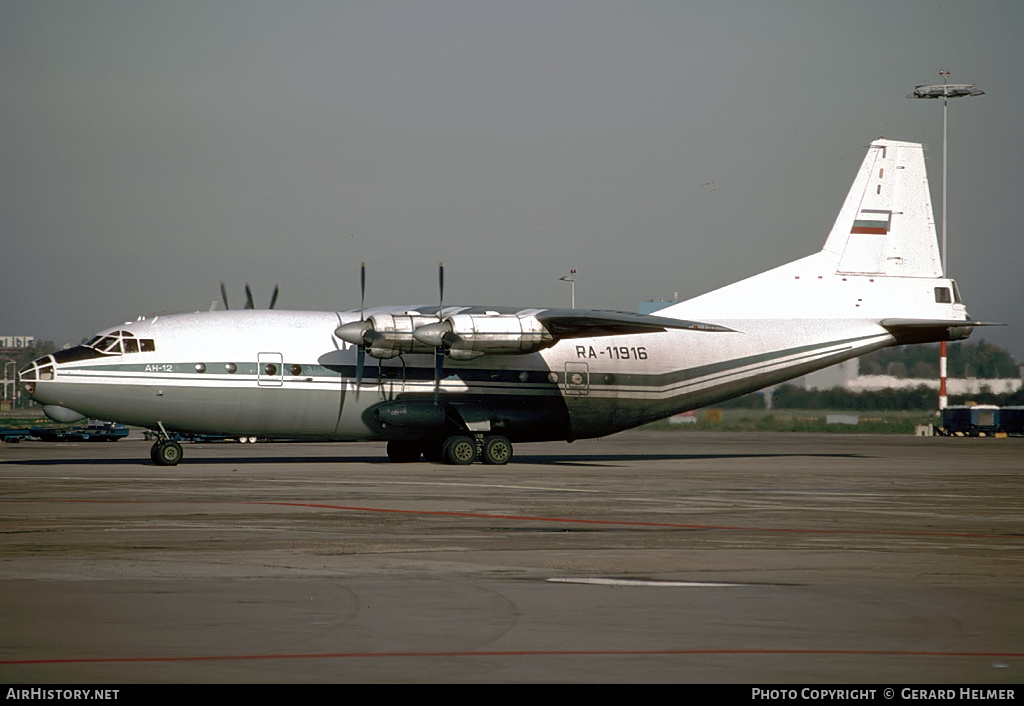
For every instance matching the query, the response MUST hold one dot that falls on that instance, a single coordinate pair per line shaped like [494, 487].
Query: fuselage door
[577, 379]
[271, 369]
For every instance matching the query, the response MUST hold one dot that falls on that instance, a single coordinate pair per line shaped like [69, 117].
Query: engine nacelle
[387, 335]
[468, 336]
[461, 336]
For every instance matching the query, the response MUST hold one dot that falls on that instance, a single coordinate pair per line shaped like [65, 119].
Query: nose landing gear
[165, 452]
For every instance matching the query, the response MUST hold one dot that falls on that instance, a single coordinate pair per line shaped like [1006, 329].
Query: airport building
[847, 375]
[10, 347]
[16, 342]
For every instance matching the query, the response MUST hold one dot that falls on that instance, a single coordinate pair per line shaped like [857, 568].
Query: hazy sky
[152, 149]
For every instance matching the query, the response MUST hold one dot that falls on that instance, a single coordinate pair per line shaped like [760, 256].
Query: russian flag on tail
[872, 222]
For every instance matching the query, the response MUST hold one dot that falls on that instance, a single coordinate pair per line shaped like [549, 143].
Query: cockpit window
[121, 342]
[108, 344]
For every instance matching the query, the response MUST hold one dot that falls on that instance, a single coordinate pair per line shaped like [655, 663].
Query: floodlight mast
[945, 91]
[571, 279]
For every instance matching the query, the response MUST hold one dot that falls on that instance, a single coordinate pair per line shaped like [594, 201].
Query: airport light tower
[945, 91]
[571, 279]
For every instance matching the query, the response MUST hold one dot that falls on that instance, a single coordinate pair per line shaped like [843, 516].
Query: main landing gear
[458, 450]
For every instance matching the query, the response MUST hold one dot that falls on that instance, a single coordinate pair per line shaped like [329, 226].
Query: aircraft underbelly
[296, 411]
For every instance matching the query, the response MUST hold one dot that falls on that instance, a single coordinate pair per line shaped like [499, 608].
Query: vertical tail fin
[881, 260]
[885, 227]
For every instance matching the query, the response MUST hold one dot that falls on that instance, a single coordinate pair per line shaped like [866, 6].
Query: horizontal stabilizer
[931, 323]
[931, 330]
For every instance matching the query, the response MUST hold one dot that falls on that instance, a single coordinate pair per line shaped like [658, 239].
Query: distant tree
[922, 369]
[980, 360]
[870, 365]
[24, 356]
[896, 368]
[840, 398]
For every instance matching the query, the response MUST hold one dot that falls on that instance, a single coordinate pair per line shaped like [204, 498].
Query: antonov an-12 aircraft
[457, 384]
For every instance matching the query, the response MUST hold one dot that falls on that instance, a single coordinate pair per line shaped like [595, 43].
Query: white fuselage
[285, 374]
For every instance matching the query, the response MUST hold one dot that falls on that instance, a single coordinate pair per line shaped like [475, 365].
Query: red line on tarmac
[513, 653]
[625, 523]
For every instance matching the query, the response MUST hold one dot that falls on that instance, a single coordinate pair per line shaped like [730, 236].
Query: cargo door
[577, 379]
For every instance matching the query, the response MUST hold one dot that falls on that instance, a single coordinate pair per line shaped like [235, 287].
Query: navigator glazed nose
[39, 369]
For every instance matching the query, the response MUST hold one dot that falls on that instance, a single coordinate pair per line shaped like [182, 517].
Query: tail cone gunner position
[460, 383]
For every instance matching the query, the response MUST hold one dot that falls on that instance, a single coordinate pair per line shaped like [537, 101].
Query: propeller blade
[440, 287]
[273, 297]
[248, 297]
[438, 367]
[361, 349]
[360, 362]
[438, 350]
[224, 295]
[362, 288]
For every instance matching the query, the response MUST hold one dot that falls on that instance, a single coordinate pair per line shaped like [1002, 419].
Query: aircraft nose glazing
[38, 369]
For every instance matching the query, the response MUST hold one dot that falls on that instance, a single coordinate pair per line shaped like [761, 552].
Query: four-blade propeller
[362, 334]
[249, 304]
[359, 333]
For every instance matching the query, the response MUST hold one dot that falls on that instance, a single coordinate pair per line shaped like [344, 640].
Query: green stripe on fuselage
[496, 376]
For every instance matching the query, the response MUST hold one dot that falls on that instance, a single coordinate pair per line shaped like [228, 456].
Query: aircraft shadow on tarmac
[605, 459]
[533, 459]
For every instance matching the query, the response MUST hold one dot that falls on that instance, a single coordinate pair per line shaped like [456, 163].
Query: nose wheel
[166, 453]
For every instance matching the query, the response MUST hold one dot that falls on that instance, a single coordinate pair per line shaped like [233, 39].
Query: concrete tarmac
[643, 557]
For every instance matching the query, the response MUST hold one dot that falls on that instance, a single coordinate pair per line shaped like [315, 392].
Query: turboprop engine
[387, 335]
[460, 336]
[468, 336]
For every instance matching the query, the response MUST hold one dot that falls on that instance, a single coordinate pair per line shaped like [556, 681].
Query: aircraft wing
[465, 333]
[580, 323]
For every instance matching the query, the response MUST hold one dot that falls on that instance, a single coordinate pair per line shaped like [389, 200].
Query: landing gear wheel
[459, 450]
[432, 451]
[166, 453]
[403, 451]
[497, 450]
